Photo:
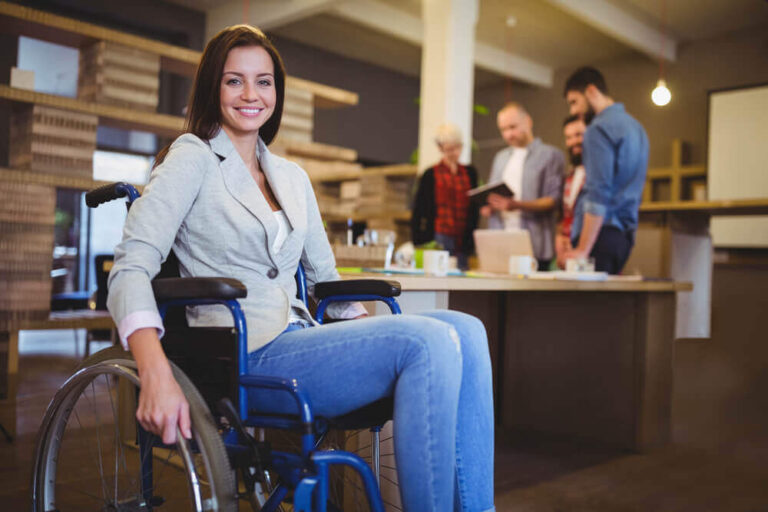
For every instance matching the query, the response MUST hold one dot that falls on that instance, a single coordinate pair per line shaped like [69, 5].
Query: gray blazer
[543, 173]
[204, 204]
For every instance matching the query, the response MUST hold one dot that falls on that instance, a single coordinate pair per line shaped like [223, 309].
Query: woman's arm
[162, 405]
[149, 232]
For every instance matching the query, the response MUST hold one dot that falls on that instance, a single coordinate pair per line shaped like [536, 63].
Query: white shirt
[513, 177]
[576, 183]
[283, 229]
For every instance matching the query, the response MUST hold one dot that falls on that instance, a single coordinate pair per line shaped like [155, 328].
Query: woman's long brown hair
[204, 110]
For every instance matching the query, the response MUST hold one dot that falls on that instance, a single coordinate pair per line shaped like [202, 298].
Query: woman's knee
[432, 340]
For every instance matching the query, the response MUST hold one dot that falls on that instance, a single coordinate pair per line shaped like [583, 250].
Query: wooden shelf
[20, 20]
[397, 216]
[336, 177]
[719, 207]
[161, 124]
[315, 150]
[392, 170]
[689, 171]
[53, 180]
[126, 118]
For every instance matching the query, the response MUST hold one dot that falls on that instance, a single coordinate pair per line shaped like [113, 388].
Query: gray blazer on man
[203, 202]
[543, 173]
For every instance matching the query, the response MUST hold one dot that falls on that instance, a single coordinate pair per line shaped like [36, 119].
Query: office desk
[9, 344]
[588, 360]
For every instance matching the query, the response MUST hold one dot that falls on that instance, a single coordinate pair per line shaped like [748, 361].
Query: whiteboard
[738, 162]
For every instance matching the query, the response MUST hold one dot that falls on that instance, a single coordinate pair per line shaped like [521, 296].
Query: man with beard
[534, 172]
[615, 161]
[573, 130]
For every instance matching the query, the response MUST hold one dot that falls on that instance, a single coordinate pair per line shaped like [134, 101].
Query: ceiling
[550, 33]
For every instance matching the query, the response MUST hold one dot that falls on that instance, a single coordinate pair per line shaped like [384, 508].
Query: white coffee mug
[436, 262]
[522, 265]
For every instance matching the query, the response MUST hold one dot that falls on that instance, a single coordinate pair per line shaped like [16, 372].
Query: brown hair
[204, 110]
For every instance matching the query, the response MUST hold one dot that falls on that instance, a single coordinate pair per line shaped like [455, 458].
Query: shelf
[119, 117]
[718, 207]
[392, 170]
[161, 124]
[24, 21]
[315, 150]
[53, 180]
[688, 171]
[397, 216]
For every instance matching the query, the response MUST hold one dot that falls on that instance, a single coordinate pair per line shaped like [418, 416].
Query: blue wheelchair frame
[308, 472]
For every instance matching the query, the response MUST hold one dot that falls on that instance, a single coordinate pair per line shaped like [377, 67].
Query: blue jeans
[437, 367]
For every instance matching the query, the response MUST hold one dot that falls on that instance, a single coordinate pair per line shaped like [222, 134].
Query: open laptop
[495, 246]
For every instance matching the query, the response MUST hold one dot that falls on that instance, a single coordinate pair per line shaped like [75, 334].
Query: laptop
[495, 246]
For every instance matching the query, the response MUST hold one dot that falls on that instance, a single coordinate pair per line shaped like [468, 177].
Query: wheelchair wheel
[91, 454]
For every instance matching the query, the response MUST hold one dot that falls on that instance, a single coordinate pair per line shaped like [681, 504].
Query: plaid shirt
[451, 201]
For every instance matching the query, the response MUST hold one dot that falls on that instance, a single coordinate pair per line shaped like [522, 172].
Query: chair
[129, 457]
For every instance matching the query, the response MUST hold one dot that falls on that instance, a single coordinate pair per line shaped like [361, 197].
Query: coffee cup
[436, 262]
[580, 265]
[522, 265]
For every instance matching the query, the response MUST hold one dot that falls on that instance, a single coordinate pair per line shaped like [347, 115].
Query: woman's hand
[162, 405]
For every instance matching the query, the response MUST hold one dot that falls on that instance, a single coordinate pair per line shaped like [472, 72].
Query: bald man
[534, 171]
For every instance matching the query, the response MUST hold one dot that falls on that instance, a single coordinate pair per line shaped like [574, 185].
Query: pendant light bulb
[661, 94]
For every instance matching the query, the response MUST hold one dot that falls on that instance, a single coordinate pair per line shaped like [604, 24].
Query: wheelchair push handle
[110, 192]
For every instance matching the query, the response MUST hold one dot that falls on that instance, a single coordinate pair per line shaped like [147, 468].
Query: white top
[576, 183]
[513, 177]
[283, 229]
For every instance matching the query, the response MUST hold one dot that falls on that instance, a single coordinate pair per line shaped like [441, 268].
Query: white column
[447, 73]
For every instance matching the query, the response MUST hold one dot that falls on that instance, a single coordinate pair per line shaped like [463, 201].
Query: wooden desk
[9, 343]
[588, 360]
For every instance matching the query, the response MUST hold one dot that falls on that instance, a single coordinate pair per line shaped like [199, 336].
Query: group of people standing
[587, 209]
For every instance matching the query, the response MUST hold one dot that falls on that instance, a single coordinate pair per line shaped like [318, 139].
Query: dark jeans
[544, 265]
[612, 248]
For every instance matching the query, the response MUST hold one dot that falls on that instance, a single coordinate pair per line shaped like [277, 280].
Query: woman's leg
[346, 365]
[474, 426]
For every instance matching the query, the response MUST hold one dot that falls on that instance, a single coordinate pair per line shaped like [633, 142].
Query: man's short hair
[571, 119]
[513, 104]
[583, 77]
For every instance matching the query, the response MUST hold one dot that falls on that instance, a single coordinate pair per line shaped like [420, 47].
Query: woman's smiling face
[247, 90]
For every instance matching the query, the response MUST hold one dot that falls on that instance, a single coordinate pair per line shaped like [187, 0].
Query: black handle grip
[106, 193]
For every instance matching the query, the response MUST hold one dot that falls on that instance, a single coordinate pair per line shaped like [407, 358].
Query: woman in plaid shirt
[442, 211]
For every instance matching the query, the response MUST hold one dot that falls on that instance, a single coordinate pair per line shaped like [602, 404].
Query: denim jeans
[437, 367]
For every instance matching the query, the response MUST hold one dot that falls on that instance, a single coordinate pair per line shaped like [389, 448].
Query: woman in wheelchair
[228, 207]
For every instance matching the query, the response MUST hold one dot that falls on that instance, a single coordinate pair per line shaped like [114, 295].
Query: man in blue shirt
[616, 161]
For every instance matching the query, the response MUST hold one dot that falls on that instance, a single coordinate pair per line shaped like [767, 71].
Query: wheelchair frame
[307, 472]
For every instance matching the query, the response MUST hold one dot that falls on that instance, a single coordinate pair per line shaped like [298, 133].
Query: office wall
[383, 127]
[735, 59]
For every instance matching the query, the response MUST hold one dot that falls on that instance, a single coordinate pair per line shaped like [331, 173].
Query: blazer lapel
[241, 185]
[283, 186]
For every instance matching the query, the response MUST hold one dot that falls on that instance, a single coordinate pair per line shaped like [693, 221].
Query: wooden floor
[718, 461]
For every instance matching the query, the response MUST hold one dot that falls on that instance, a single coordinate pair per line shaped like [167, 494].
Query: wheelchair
[92, 454]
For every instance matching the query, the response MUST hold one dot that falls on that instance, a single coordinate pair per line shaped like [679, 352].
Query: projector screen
[738, 162]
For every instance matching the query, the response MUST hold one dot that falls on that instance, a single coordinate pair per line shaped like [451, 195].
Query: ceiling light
[661, 94]
[511, 21]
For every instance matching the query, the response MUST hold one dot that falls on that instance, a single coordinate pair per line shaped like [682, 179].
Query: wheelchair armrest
[198, 288]
[357, 287]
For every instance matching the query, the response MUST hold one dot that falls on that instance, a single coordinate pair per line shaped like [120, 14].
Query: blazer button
[272, 273]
